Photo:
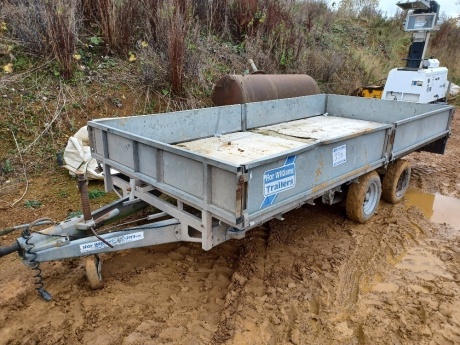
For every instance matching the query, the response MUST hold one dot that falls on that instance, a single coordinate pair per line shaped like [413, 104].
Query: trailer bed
[263, 142]
[241, 165]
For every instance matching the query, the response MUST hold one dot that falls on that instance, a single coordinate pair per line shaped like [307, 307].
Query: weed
[96, 40]
[73, 214]
[22, 63]
[7, 166]
[33, 204]
[96, 193]
[63, 194]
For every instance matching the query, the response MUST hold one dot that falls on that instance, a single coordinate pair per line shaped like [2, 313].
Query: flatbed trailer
[242, 165]
[215, 173]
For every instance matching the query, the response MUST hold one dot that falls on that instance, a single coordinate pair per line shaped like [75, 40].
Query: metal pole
[427, 38]
[83, 189]
[23, 226]
[253, 65]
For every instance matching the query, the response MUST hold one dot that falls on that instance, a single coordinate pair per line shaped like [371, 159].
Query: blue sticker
[278, 180]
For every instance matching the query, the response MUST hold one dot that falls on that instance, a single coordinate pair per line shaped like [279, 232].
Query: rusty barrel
[240, 89]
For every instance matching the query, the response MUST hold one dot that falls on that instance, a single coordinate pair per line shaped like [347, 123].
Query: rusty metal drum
[240, 89]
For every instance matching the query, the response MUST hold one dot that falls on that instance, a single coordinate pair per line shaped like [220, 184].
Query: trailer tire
[396, 181]
[93, 267]
[363, 197]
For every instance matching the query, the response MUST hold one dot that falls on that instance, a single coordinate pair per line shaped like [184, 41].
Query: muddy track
[313, 278]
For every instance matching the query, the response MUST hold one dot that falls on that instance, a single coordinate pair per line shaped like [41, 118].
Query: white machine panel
[417, 86]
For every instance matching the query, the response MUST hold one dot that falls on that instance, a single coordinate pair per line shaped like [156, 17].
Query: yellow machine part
[371, 91]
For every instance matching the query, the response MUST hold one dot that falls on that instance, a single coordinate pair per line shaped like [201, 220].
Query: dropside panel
[309, 173]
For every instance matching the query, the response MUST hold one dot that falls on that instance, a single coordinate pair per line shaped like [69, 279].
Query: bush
[27, 22]
[61, 29]
[46, 28]
[168, 26]
[443, 48]
[117, 20]
[192, 41]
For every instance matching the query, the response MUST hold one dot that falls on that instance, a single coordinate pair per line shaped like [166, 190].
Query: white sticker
[114, 241]
[339, 155]
[279, 179]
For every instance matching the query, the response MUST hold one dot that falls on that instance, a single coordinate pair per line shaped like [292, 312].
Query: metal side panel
[179, 126]
[412, 133]
[312, 170]
[129, 143]
[282, 110]
[217, 188]
[147, 160]
[224, 190]
[184, 174]
[203, 183]
[378, 110]
[121, 150]
[95, 138]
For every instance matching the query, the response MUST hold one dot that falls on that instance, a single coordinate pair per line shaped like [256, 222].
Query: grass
[73, 214]
[7, 167]
[96, 193]
[63, 194]
[32, 204]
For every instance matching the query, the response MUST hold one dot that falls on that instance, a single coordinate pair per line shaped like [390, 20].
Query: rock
[239, 278]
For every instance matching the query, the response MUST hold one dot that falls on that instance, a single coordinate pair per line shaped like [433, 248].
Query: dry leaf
[132, 57]
[8, 68]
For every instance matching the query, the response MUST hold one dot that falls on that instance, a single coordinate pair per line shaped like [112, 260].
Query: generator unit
[421, 80]
[420, 85]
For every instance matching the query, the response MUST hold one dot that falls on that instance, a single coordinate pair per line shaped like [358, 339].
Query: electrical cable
[35, 265]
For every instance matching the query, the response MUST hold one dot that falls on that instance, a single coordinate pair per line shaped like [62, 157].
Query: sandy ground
[314, 278]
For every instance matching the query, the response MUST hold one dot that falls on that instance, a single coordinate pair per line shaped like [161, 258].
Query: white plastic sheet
[77, 156]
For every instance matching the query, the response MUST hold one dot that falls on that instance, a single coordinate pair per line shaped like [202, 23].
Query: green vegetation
[63, 194]
[72, 214]
[96, 193]
[7, 167]
[32, 204]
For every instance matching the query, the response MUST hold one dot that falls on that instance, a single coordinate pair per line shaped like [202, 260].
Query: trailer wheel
[396, 181]
[93, 266]
[363, 197]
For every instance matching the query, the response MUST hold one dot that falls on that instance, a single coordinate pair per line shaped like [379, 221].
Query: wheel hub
[371, 198]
